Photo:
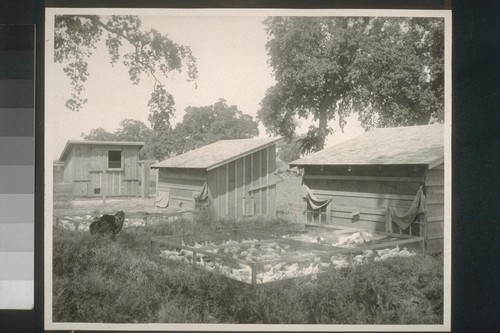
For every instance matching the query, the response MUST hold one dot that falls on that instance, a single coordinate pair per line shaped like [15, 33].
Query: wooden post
[105, 187]
[254, 274]
[423, 225]
[150, 246]
[194, 258]
[388, 221]
[329, 212]
[306, 220]
[146, 167]
[157, 180]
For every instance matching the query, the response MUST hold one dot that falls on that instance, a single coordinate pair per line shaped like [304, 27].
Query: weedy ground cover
[96, 279]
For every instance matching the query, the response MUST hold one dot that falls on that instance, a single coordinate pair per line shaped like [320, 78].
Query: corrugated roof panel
[395, 145]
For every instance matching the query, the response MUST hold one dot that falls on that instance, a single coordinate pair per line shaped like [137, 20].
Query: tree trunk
[322, 129]
[323, 122]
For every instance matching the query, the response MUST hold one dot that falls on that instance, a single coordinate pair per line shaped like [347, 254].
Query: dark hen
[108, 224]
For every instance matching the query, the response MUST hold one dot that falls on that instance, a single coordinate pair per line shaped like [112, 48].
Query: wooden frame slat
[375, 178]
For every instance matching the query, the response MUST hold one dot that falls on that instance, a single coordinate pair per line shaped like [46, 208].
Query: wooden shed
[102, 168]
[376, 173]
[233, 178]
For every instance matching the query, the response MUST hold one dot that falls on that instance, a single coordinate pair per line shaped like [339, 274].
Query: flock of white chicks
[283, 270]
[76, 223]
[82, 222]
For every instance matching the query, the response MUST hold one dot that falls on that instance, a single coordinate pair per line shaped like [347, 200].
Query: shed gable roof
[395, 145]
[71, 143]
[215, 154]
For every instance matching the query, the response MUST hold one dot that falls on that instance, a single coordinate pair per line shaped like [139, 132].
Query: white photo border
[49, 154]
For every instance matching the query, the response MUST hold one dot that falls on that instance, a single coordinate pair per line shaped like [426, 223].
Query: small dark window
[114, 159]
[97, 190]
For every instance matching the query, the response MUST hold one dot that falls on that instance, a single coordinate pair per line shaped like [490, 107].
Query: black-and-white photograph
[211, 169]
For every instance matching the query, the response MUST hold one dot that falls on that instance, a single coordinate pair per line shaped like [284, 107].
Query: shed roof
[216, 154]
[396, 145]
[71, 143]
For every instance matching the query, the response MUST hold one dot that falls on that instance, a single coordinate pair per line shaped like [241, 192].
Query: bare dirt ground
[134, 204]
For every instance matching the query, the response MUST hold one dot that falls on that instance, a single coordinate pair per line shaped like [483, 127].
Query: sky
[232, 64]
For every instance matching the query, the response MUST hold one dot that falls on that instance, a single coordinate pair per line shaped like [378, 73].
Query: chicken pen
[267, 255]
[387, 179]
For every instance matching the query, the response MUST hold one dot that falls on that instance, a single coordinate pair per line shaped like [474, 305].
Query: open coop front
[283, 252]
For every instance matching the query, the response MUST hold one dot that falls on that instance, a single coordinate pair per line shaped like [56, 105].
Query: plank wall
[360, 197]
[87, 168]
[182, 185]
[244, 187]
[434, 184]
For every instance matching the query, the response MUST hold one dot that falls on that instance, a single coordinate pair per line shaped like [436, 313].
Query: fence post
[105, 187]
[146, 168]
[254, 274]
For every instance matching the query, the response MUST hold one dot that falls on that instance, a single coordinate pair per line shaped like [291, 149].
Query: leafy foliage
[289, 151]
[400, 81]
[130, 130]
[389, 70]
[200, 126]
[207, 124]
[142, 52]
[99, 134]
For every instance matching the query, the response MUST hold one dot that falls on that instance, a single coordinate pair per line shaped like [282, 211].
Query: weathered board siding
[434, 184]
[361, 194]
[243, 187]
[182, 185]
[86, 167]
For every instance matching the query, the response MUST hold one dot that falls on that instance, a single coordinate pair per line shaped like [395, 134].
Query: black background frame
[475, 144]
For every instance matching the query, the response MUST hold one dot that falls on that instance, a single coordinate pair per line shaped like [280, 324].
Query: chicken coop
[387, 179]
[228, 178]
[281, 252]
[101, 168]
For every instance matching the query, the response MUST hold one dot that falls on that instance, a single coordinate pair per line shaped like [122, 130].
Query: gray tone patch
[15, 150]
[17, 93]
[16, 179]
[17, 237]
[16, 265]
[17, 122]
[19, 207]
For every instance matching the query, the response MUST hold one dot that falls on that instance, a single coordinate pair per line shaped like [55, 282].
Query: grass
[99, 280]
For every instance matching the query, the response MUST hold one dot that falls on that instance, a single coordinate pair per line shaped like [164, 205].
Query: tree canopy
[289, 151]
[199, 127]
[129, 130]
[207, 124]
[142, 52]
[388, 70]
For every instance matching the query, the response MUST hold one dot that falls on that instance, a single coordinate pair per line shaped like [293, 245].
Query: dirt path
[114, 205]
